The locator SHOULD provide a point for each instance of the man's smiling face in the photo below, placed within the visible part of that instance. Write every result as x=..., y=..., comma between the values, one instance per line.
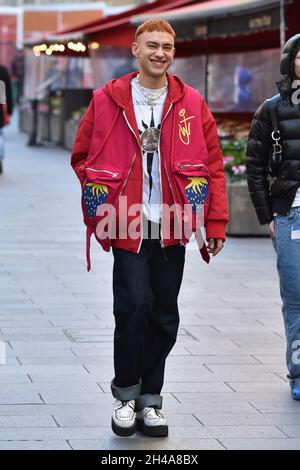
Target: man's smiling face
x=155, y=51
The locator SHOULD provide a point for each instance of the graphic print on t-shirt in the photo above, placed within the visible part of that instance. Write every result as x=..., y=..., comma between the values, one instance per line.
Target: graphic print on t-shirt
x=149, y=140
x=148, y=114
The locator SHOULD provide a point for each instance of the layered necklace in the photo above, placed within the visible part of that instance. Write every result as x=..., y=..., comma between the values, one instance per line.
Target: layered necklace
x=152, y=94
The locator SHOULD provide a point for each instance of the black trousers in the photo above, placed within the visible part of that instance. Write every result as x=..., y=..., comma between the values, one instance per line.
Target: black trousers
x=145, y=287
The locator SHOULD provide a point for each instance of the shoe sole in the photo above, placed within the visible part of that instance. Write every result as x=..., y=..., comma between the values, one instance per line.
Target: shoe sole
x=151, y=431
x=123, y=432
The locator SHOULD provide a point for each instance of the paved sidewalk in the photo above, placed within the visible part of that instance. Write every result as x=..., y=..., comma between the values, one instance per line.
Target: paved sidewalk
x=226, y=382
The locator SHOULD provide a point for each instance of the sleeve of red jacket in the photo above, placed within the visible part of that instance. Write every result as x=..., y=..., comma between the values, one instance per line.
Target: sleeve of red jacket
x=82, y=142
x=216, y=214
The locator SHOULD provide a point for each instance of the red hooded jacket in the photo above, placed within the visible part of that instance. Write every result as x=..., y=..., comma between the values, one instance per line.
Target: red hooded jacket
x=108, y=162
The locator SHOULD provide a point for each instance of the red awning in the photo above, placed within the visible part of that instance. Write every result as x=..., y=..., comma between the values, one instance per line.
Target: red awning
x=228, y=25
x=115, y=30
x=208, y=9
x=120, y=18
x=151, y=8
x=120, y=31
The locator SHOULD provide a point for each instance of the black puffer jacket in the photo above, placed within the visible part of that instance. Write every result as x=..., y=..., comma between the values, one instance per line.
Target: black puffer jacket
x=280, y=196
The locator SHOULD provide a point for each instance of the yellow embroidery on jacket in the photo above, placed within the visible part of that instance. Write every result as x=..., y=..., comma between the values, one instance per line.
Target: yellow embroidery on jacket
x=184, y=127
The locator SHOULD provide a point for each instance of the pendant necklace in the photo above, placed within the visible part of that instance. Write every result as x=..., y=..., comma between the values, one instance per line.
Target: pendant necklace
x=152, y=95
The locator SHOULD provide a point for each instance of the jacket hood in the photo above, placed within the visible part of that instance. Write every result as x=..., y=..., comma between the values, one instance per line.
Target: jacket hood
x=287, y=64
x=119, y=89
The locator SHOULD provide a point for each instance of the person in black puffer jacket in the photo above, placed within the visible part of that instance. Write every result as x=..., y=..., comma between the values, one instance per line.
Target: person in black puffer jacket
x=277, y=201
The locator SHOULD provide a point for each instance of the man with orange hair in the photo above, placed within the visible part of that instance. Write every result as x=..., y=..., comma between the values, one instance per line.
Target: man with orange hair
x=150, y=140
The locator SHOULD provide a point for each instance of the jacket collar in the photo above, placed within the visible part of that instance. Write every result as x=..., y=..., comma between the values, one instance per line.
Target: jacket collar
x=119, y=89
x=285, y=86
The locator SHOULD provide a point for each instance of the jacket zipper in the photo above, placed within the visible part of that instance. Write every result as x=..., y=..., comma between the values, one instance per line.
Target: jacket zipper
x=182, y=166
x=128, y=174
x=114, y=175
x=141, y=216
x=160, y=180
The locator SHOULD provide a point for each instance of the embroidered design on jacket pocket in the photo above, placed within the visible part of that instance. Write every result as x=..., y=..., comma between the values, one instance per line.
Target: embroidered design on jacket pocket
x=196, y=192
x=94, y=195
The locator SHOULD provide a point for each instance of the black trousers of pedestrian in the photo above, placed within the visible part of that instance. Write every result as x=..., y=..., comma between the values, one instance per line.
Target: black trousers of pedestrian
x=145, y=287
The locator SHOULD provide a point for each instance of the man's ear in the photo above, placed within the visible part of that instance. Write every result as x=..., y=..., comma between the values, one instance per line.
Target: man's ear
x=134, y=49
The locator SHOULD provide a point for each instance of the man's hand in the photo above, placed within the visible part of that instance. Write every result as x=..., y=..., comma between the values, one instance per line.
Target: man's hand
x=215, y=245
x=272, y=229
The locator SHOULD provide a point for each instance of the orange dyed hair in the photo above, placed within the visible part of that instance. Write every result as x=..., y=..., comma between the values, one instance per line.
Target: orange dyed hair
x=156, y=24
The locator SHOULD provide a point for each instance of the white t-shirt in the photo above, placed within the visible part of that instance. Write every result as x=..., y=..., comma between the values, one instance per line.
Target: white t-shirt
x=148, y=123
x=296, y=202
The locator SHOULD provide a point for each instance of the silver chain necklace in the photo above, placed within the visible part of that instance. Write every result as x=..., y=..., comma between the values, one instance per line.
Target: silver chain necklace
x=152, y=95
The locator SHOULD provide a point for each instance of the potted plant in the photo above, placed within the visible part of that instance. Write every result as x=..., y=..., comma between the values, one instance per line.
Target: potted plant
x=242, y=216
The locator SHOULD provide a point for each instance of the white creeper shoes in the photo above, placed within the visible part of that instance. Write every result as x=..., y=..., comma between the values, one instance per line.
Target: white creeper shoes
x=123, y=418
x=151, y=422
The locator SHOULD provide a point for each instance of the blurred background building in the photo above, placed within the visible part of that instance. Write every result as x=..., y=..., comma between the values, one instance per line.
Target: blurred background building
x=21, y=19
x=227, y=49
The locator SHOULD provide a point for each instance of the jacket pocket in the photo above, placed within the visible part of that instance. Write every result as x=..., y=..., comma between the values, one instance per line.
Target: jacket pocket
x=191, y=183
x=283, y=220
x=101, y=185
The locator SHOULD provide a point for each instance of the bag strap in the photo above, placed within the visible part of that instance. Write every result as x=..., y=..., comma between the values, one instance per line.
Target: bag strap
x=276, y=156
x=272, y=106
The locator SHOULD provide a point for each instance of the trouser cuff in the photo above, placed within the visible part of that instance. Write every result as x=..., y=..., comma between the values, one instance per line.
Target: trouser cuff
x=148, y=399
x=294, y=381
x=125, y=393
